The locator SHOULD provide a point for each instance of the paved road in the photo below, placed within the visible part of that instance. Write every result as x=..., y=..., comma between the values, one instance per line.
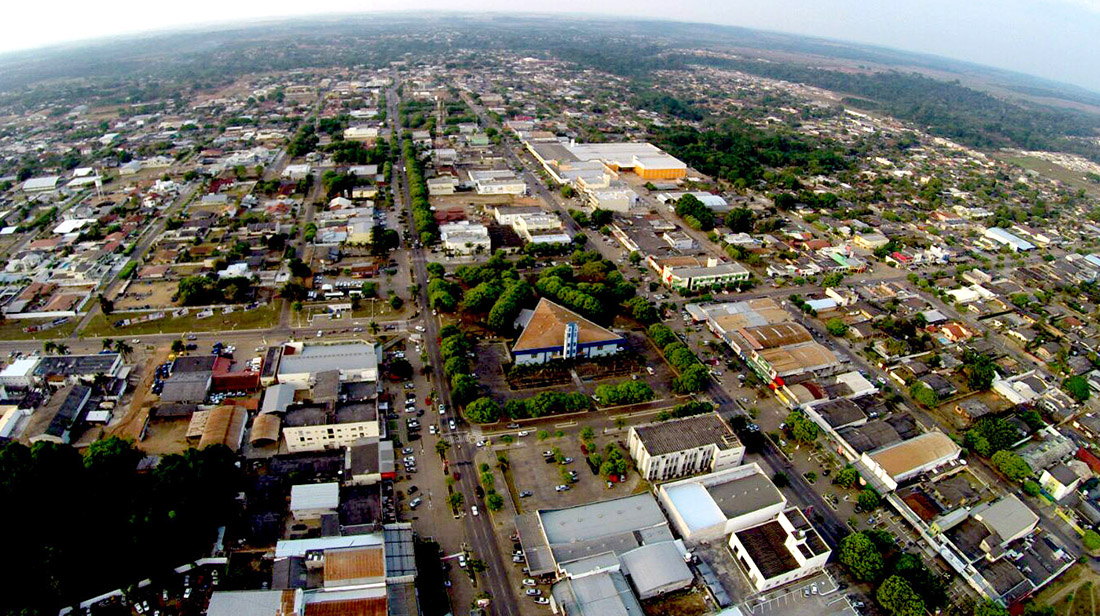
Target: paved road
x=479, y=530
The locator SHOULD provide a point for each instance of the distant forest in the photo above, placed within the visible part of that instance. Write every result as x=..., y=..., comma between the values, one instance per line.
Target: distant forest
x=148, y=68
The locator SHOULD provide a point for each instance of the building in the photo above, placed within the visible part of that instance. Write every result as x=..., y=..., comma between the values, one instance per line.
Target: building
x=645, y=160
x=465, y=237
x=1059, y=480
x=19, y=374
x=779, y=551
x=694, y=273
x=355, y=361
x=896, y=463
x=43, y=184
x=321, y=427
x=295, y=173
x=55, y=369
x=709, y=507
x=999, y=236
x=870, y=241
x=64, y=416
x=311, y=501
x=555, y=332
x=669, y=449
x=605, y=555
x=498, y=182
x=369, y=461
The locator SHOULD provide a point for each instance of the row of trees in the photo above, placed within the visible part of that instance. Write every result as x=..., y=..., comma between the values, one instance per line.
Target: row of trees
x=906, y=587
x=627, y=392
x=693, y=374
x=423, y=218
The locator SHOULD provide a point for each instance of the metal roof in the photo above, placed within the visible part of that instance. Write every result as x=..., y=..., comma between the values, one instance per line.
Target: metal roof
x=687, y=433
x=315, y=496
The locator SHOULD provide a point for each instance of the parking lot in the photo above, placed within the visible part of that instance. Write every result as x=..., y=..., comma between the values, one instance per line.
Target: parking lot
x=530, y=472
x=813, y=596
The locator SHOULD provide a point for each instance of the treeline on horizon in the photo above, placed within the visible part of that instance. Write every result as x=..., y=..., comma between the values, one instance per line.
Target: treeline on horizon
x=942, y=108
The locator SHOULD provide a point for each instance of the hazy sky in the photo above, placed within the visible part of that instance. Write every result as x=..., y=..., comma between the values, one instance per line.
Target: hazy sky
x=1056, y=39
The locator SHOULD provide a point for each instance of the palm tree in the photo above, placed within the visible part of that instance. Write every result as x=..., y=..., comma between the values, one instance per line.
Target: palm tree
x=48, y=347
x=123, y=349
x=61, y=349
x=441, y=447
x=374, y=328
x=108, y=344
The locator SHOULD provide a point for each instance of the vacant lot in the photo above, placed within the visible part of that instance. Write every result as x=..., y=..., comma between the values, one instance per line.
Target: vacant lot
x=147, y=294
x=258, y=318
x=13, y=329
x=689, y=602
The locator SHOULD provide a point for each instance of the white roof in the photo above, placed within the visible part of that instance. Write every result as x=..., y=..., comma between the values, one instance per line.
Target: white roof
x=656, y=567
x=299, y=547
x=695, y=505
x=315, y=496
x=70, y=226
x=245, y=603
x=20, y=367
x=44, y=183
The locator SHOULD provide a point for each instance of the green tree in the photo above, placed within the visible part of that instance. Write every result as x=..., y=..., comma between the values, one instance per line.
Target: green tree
x=456, y=500
x=836, y=327
x=1011, y=465
x=868, y=499
x=1091, y=540
x=1077, y=387
x=847, y=476
x=178, y=346
x=897, y=597
x=923, y=395
x=693, y=379
x=989, y=608
x=862, y=558
x=494, y=501
x=801, y=427
x=464, y=388
x=483, y=410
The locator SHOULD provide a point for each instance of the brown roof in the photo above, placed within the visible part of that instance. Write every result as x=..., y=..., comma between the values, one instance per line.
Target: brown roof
x=265, y=428
x=546, y=329
x=223, y=427
x=354, y=564
x=914, y=453
x=777, y=335
x=374, y=606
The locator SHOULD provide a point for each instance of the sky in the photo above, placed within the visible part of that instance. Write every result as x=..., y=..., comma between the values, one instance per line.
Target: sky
x=1054, y=39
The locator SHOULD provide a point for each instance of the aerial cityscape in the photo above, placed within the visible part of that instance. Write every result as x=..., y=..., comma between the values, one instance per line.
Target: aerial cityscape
x=516, y=315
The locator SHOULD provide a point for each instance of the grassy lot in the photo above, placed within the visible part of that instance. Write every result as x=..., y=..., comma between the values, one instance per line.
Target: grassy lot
x=1056, y=172
x=265, y=316
x=13, y=329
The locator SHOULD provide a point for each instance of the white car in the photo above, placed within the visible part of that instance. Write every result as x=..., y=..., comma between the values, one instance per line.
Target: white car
x=522, y=433
x=473, y=509
x=462, y=560
x=480, y=443
x=529, y=582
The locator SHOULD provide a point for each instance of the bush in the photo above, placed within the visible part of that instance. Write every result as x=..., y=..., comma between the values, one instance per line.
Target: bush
x=1011, y=465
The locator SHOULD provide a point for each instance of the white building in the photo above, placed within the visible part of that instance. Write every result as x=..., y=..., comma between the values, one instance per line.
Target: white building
x=19, y=374
x=354, y=361
x=465, y=237
x=668, y=449
x=311, y=501
x=779, y=551
x=296, y=172
x=709, y=507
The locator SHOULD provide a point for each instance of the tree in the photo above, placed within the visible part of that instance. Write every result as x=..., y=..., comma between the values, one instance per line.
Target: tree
x=1031, y=487
x=868, y=499
x=1078, y=387
x=740, y=220
x=832, y=279
x=836, y=327
x=483, y=410
x=106, y=305
x=1011, y=465
x=693, y=379
x=464, y=388
x=108, y=344
x=801, y=427
x=989, y=608
x=897, y=597
x=178, y=346
x=401, y=369
x=441, y=447
x=847, y=476
x=923, y=395
x=396, y=302
x=780, y=479
x=495, y=502
x=859, y=554
x=123, y=349
x=456, y=500
x=1091, y=540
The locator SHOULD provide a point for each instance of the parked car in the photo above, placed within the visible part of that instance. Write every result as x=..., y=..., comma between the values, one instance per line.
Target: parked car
x=529, y=582
x=525, y=494
x=415, y=503
x=561, y=488
x=542, y=601
x=533, y=592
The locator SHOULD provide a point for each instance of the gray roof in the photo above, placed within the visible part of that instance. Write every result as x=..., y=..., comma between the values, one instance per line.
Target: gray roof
x=840, y=413
x=186, y=387
x=601, y=519
x=277, y=398
x=687, y=433
x=69, y=411
x=400, y=559
x=602, y=594
x=245, y=603
x=1063, y=474
x=745, y=495
x=314, y=359
x=656, y=568
x=76, y=365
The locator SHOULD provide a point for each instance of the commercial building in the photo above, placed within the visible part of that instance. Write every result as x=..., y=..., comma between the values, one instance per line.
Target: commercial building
x=779, y=551
x=55, y=369
x=320, y=427
x=498, y=182
x=605, y=555
x=1000, y=237
x=313, y=500
x=693, y=273
x=709, y=507
x=62, y=419
x=647, y=161
x=465, y=237
x=555, y=332
x=669, y=449
x=898, y=462
x=355, y=361
x=19, y=374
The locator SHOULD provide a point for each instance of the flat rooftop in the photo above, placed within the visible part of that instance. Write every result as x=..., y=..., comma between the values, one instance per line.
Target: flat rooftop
x=687, y=433
x=744, y=495
x=603, y=518
x=765, y=543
